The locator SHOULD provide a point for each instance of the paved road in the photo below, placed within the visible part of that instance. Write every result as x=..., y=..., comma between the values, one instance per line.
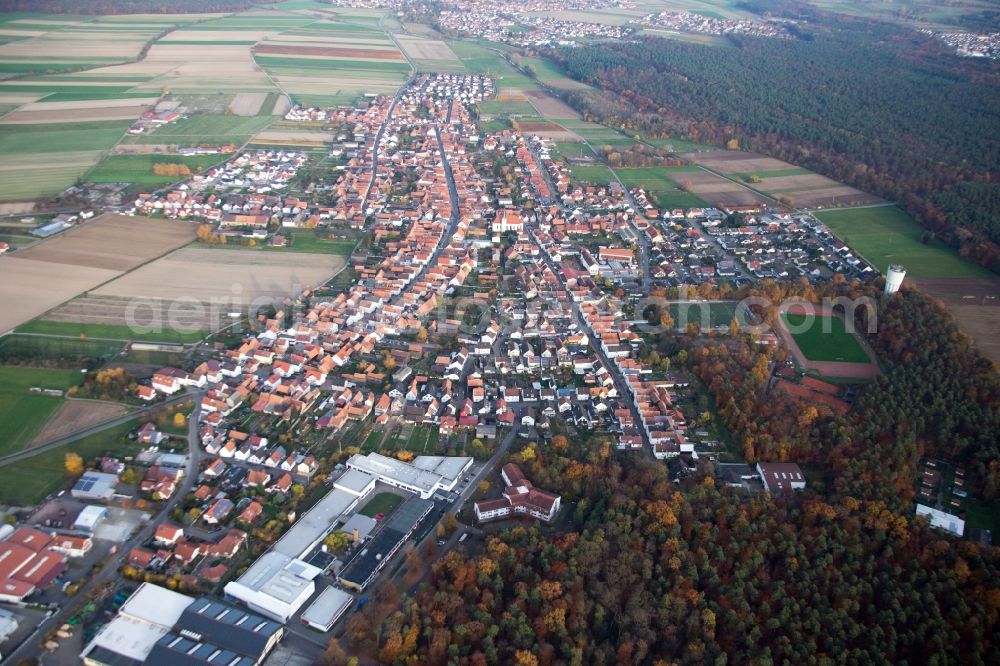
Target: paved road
x=109, y=572
x=624, y=390
x=378, y=139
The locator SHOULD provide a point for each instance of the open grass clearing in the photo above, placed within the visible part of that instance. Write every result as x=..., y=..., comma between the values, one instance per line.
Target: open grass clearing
x=23, y=414
x=886, y=235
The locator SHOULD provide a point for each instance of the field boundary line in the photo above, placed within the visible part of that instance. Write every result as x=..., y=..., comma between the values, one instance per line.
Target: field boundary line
x=59, y=442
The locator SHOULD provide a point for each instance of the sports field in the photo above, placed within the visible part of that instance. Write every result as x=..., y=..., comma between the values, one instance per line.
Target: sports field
x=886, y=235
x=824, y=338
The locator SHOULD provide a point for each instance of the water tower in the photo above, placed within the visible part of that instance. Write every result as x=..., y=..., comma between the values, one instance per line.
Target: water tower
x=893, y=279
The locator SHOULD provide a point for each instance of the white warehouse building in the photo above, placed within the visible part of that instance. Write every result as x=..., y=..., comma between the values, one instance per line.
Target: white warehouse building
x=425, y=476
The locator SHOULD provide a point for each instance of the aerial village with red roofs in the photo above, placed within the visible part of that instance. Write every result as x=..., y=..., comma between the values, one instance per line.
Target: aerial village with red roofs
x=488, y=314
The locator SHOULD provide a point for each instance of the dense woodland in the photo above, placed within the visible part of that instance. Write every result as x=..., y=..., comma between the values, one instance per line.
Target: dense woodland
x=653, y=574
x=937, y=397
x=641, y=570
x=882, y=108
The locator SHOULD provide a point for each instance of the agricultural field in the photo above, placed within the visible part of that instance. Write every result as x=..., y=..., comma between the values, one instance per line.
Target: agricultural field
x=430, y=54
x=59, y=352
x=75, y=415
x=549, y=106
x=549, y=73
x=23, y=414
x=58, y=322
x=48, y=273
x=195, y=287
x=664, y=184
x=205, y=128
x=596, y=174
x=27, y=482
x=486, y=58
x=494, y=107
x=824, y=338
x=798, y=187
x=44, y=159
x=886, y=235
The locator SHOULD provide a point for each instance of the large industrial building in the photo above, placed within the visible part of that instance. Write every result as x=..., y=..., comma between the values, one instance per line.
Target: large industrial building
x=164, y=628
x=329, y=607
x=279, y=583
x=211, y=632
x=146, y=617
x=425, y=476
x=28, y=562
x=362, y=570
x=95, y=486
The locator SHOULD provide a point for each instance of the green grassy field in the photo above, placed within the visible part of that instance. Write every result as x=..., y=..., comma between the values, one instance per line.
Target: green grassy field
x=27, y=482
x=59, y=137
x=817, y=344
x=108, y=331
x=381, y=66
x=384, y=503
x=507, y=107
x=597, y=174
x=663, y=183
x=886, y=235
x=705, y=314
x=207, y=128
x=22, y=413
x=63, y=352
x=139, y=168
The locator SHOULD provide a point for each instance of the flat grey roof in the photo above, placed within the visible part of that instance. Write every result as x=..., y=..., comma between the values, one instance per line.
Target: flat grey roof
x=329, y=604
x=450, y=467
x=355, y=480
x=314, y=524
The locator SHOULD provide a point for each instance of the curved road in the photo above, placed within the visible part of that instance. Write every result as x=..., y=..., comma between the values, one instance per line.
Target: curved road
x=109, y=571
